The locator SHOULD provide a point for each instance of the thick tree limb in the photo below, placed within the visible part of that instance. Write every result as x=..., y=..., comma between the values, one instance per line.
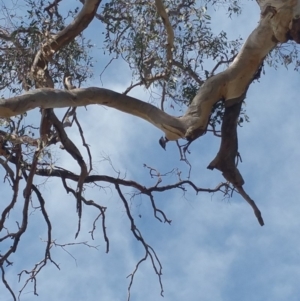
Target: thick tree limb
x=276, y=23
x=56, y=42
x=225, y=161
x=52, y=98
x=274, y=27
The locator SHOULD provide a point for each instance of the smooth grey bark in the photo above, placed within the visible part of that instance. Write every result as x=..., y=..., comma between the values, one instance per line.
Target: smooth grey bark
x=278, y=23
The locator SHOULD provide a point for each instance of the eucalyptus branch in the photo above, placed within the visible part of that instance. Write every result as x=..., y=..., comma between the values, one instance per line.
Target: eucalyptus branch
x=161, y=10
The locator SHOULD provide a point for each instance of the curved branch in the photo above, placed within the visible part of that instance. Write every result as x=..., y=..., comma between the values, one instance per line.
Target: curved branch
x=75, y=153
x=94, y=204
x=27, y=193
x=46, y=98
x=6, y=283
x=65, y=174
x=169, y=29
x=228, y=85
x=56, y=42
x=149, y=251
x=274, y=27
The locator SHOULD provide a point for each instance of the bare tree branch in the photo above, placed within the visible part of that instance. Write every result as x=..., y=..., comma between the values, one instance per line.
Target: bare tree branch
x=148, y=249
x=75, y=153
x=6, y=284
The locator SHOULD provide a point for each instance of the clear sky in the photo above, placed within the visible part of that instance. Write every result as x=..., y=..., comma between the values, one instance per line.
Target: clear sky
x=214, y=250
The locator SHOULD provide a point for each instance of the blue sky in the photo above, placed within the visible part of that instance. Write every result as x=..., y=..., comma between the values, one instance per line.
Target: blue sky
x=214, y=249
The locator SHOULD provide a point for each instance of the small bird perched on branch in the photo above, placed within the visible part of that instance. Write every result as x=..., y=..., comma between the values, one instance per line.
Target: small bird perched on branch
x=163, y=141
x=68, y=83
x=68, y=86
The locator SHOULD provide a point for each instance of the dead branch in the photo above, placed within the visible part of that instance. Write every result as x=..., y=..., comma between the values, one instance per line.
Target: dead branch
x=84, y=142
x=94, y=204
x=148, y=249
x=26, y=193
x=6, y=283
x=64, y=174
x=71, y=148
x=225, y=161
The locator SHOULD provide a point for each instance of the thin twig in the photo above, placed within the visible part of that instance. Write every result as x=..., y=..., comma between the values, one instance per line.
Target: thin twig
x=156, y=264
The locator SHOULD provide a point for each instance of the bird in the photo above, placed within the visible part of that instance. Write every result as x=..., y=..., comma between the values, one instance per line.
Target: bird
x=163, y=141
x=68, y=83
